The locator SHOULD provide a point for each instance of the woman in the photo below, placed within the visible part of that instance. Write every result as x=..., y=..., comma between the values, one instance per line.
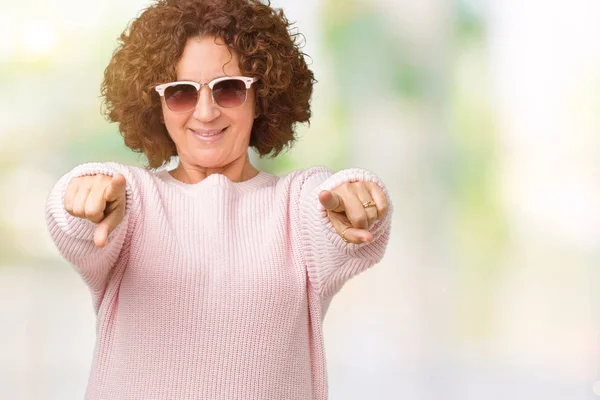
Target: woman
x=211, y=280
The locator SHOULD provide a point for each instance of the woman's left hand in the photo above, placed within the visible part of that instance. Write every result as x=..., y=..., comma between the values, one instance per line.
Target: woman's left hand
x=353, y=207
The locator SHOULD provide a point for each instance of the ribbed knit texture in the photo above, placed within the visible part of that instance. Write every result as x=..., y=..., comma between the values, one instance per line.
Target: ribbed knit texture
x=215, y=290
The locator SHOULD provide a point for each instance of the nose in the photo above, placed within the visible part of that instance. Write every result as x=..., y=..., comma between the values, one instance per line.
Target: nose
x=206, y=110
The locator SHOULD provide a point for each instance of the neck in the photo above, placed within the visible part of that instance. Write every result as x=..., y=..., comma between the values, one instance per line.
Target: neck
x=238, y=171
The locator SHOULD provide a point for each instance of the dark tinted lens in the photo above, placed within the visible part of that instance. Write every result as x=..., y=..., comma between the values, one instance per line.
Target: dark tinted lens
x=182, y=97
x=230, y=93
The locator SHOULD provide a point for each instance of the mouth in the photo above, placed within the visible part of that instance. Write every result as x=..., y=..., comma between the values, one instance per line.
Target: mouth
x=208, y=135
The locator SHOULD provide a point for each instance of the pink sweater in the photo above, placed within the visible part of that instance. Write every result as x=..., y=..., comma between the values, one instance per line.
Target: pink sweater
x=215, y=290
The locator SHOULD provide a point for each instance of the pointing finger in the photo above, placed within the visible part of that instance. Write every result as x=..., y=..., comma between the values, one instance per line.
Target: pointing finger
x=109, y=224
x=101, y=235
x=348, y=233
x=356, y=235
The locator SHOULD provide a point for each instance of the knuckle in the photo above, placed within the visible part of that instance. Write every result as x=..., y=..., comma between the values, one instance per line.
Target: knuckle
x=77, y=211
x=343, y=188
x=358, y=186
x=359, y=220
x=94, y=217
x=383, y=210
x=93, y=214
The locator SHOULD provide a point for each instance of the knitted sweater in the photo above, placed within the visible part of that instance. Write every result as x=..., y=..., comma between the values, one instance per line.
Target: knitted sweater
x=215, y=290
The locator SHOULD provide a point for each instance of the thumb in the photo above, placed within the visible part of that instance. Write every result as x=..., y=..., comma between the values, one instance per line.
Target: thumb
x=115, y=189
x=331, y=201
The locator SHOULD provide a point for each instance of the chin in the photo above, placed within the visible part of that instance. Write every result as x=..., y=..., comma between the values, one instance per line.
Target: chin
x=204, y=163
x=211, y=162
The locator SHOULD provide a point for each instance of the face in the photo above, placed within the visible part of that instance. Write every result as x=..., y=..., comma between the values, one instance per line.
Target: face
x=210, y=136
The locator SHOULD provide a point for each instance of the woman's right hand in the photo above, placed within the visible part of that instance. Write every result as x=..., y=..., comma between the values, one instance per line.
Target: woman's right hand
x=100, y=199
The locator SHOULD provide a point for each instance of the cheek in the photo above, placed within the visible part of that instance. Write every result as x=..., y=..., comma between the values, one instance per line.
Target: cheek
x=174, y=122
x=245, y=122
x=249, y=114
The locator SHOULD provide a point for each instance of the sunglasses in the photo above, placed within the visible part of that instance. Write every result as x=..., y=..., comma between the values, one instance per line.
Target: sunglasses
x=227, y=92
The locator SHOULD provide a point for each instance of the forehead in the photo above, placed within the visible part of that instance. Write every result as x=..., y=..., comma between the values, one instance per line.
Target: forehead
x=204, y=59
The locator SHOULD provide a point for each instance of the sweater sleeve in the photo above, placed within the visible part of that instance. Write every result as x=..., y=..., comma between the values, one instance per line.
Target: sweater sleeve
x=330, y=261
x=74, y=236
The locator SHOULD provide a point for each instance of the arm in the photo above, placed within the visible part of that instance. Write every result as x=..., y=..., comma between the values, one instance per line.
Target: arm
x=74, y=236
x=330, y=260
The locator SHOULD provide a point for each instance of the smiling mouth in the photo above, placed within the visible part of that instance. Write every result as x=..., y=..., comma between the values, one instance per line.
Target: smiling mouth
x=208, y=133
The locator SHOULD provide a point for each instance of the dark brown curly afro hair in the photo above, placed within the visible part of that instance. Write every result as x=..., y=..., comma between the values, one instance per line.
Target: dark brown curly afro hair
x=153, y=43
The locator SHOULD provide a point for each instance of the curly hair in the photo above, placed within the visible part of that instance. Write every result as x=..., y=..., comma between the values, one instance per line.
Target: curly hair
x=150, y=47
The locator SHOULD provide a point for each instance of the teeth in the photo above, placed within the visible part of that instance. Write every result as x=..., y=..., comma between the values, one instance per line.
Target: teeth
x=208, y=134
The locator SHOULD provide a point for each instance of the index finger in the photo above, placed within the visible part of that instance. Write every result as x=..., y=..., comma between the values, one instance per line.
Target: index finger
x=115, y=188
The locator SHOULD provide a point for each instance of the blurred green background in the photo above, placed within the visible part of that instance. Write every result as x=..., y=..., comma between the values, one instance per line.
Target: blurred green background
x=481, y=117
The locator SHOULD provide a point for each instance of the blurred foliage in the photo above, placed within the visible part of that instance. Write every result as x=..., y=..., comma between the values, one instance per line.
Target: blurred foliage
x=479, y=224
x=469, y=24
x=367, y=52
x=102, y=143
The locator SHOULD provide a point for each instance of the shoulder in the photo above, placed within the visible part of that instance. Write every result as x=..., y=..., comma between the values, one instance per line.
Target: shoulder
x=298, y=178
x=327, y=179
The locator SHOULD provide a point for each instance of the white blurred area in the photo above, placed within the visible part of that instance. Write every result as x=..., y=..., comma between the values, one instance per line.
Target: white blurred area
x=452, y=312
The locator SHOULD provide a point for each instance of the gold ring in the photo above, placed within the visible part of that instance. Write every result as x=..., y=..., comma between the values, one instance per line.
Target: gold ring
x=344, y=234
x=369, y=203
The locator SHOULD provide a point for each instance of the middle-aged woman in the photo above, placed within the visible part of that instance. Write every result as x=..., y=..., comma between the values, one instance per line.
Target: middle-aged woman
x=211, y=280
